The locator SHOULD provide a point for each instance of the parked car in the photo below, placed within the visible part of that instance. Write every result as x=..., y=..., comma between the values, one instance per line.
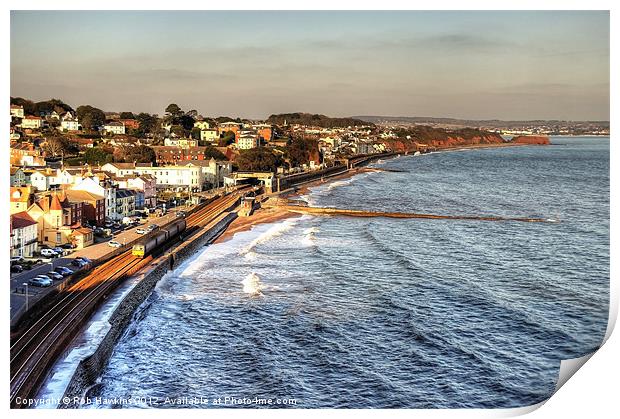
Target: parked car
x=113, y=243
x=85, y=259
x=54, y=275
x=64, y=271
x=68, y=246
x=48, y=253
x=152, y=227
x=140, y=231
x=40, y=282
x=16, y=268
x=78, y=262
x=17, y=259
x=59, y=250
x=180, y=213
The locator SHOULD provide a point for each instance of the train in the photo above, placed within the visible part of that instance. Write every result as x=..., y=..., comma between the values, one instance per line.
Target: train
x=159, y=236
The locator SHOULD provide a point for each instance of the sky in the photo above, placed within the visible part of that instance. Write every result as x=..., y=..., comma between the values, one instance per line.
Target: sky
x=507, y=65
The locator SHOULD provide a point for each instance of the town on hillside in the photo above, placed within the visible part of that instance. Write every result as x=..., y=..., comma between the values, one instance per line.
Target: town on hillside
x=80, y=176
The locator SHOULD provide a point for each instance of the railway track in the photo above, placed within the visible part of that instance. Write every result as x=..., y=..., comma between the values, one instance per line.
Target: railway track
x=36, y=349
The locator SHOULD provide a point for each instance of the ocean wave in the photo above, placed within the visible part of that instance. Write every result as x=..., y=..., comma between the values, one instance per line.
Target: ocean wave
x=274, y=231
x=252, y=284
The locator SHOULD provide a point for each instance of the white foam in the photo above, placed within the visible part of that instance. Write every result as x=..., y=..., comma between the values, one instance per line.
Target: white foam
x=252, y=284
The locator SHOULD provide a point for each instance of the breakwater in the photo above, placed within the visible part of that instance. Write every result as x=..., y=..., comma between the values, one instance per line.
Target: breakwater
x=361, y=213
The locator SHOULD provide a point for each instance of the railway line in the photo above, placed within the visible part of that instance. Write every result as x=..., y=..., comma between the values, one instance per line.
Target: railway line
x=34, y=350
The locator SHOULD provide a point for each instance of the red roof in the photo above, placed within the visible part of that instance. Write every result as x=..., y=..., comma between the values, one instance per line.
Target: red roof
x=21, y=220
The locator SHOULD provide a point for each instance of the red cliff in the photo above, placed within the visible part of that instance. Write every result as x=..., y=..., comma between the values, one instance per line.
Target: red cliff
x=531, y=139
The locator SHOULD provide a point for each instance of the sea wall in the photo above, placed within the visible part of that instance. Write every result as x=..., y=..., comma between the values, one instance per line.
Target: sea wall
x=92, y=365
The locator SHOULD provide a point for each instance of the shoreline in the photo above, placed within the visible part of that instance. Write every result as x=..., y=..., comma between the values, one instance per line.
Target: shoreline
x=268, y=215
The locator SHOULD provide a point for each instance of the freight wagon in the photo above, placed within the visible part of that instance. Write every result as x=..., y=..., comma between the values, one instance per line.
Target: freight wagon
x=158, y=237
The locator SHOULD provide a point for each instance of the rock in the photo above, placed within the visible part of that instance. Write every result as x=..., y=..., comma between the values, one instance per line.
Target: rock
x=531, y=139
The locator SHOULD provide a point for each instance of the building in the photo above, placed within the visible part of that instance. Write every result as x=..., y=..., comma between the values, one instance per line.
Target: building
x=203, y=125
x=180, y=142
x=120, y=169
x=235, y=127
x=100, y=185
x=247, y=142
x=25, y=154
x=116, y=128
x=23, y=235
x=93, y=209
x=44, y=179
x=18, y=176
x=125, y=202
x=59, y=221
x=130, y=123
x=33, y=122
x=17, y=111
x=175, y=178
x=210, y=135
x=144, y=185
x=69, y=123
x=264, y=131
x=213, y=171
x=21, y=199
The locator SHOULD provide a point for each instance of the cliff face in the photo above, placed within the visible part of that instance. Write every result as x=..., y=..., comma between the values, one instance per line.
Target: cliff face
x=531, y=139
x=443, y=140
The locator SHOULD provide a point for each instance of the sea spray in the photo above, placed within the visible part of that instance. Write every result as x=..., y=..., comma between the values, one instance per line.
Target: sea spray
x=252, y=284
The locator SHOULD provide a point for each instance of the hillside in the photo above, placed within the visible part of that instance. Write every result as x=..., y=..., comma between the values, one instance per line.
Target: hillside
x=315, y=120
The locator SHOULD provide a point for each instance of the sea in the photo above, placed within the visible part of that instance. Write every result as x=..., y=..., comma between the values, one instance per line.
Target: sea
x=337, y=312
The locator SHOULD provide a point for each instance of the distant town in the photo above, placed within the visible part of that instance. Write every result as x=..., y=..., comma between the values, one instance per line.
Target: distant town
x=79, y=175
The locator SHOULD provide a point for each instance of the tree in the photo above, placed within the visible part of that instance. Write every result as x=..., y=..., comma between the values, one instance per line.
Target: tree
x=56, y=146
x=139, y=154
x=227, y=139
x=97, y=156
x=195, y=133
x=186, y=121
x=147, y=122
x=300, y=150
x=257, y=159
x=174, y=110
x=127, y=115
x=91, y=118
x=211, y=151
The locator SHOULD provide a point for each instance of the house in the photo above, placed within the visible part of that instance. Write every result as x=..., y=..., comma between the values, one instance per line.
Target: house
x=23, y=235
x=33, y=122
x=213, y=171
x=93, y=210
x=247, y=142
x=169, y=154
x=18, y=176
x=116, y=128
x=17, y=111
x=235, y=127
x=25, y=154
x=175, y=178
x=44, y=179
x=69, y=123
x=21, y=199
x=180, y=142
x=202, y=125
x=57, y=220
x=98, y=184
x=144, y=185
x=125, y=202
x=265, y=131
x=130, y=123
x=120, y=169
x=210, y=135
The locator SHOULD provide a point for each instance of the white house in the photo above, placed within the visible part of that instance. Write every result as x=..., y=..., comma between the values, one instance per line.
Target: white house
x=104, y=188
x=247, y=142
x=175, y=178
x=23, y=235
x=43, y=179
x=17, y=111
x=117, y=128
x=202, y=125
x=33, y=122
x=213, y=171
x=69, y=123
x=209, y=135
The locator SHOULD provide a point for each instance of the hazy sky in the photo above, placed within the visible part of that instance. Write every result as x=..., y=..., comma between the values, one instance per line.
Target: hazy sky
x=507, y=65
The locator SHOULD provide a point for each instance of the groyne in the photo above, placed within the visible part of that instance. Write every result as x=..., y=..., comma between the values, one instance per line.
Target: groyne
x=361, y=213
